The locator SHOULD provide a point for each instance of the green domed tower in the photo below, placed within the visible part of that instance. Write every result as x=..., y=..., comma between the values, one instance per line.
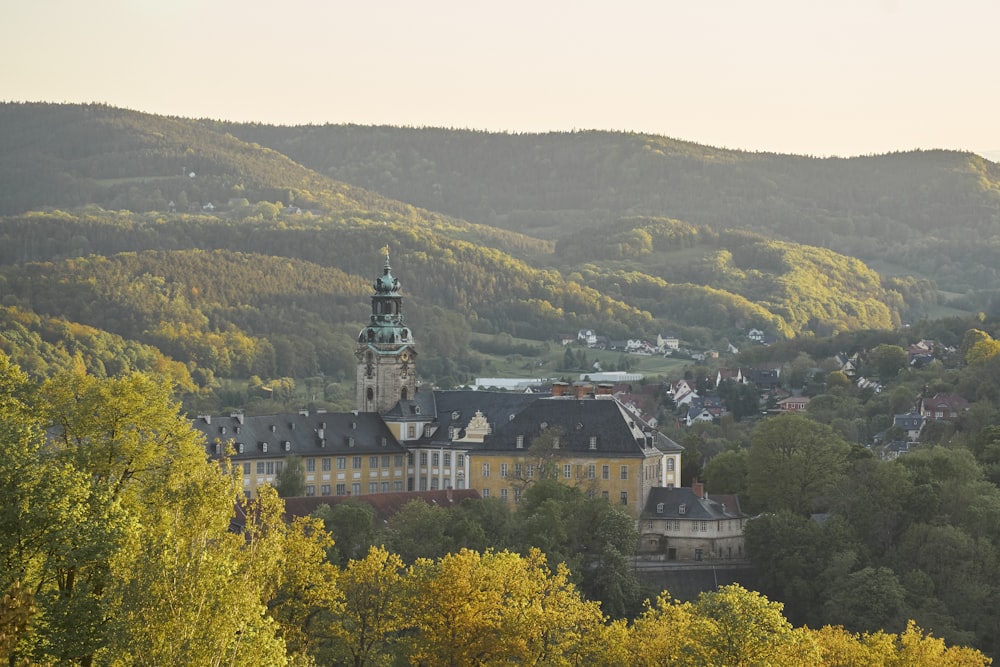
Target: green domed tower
x=386, y=356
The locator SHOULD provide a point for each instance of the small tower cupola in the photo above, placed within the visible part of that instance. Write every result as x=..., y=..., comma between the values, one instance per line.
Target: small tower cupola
x=385, y=352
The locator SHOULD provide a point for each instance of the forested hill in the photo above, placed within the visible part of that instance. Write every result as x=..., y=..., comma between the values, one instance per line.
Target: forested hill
x=936, y=213
x=178, y=240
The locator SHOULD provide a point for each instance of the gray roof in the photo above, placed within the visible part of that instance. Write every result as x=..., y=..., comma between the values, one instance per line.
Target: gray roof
x=299, y=433
x=711, y=508
x=616, y=429
x=419, y=408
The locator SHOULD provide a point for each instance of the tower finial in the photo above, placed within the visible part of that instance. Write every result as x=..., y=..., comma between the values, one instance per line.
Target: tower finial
x=385, y=251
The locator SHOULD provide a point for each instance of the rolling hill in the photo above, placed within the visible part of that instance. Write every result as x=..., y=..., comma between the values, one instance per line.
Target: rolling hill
x=241, y=250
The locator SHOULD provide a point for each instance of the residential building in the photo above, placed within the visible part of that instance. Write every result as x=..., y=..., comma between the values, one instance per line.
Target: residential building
x=943, y=406
x=687, y=524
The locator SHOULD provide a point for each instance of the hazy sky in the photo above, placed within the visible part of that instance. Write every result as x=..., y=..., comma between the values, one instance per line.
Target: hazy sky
x=834, y=77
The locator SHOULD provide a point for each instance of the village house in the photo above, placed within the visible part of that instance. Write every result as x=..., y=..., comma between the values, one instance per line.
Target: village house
x=686, y=524
x=943, y=406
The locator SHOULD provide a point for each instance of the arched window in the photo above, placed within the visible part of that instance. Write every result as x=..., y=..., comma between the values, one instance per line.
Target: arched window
x=403, y=394
x=370, y=394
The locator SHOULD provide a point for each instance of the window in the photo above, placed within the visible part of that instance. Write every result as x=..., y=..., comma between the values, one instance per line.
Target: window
x=260, y=467
x=624, y=472
x=246, y=468
x=397, y=486
x=593, y=442
x=649, y=524
x=269, y=468
x=517, y=495
x=485, y=493
x=486, y=470
x=385, y=487
x=555, y=442
x=372, y=462
x=624, y=497
x=356, y=489
x=341, y=462
x=520, y=442
x=278, y=466
x=530, y=469
x=670, y=465
x=434, y=484
x=703, y=526
x=341, y=489
x=605, y=495
x=435, y=459
x=517, y=471
x=503, y=470
x=326, y=464
x=460, y=460
x=372, y=487
x=567, y=470
x=398, y=460
x=356, y=462
x=310, y=465
x=423, y=458
x=503, y=494
x=659, y=508
x=411, y=431
x=447, y=459
x=325, y=490
x=605, y=472
x=310, y=490
x=591, y=471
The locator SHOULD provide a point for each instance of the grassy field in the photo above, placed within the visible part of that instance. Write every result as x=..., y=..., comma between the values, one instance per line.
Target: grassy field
x=550, y=362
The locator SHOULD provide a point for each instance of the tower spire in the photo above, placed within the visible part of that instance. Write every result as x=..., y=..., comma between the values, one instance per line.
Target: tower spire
x=386, y=355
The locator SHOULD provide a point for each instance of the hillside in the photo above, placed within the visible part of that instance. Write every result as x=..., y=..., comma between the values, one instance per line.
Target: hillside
x=935, y=212
x=236, y=259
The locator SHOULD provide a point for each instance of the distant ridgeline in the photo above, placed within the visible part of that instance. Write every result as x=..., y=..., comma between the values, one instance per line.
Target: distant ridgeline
x=232, y=249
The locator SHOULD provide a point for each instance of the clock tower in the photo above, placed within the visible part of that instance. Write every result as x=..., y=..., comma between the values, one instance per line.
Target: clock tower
x=386, y=370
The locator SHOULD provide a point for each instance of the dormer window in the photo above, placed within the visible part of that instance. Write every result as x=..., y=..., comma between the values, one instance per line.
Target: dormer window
x=593, y=442
x=239, y=448
x=555, y=442
x=659, y=508
x=682, y=509
x=263, y=447
x=520, y=442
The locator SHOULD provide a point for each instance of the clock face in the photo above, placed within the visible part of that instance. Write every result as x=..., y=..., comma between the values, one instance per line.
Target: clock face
x=404, y=356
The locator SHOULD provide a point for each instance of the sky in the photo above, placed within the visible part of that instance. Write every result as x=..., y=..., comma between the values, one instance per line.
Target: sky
x=809, y=77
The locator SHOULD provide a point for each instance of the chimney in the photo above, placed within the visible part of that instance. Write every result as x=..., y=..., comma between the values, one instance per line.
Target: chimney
x=559, y=388
x=605, y=389
x=583, y=389
x=698, y=489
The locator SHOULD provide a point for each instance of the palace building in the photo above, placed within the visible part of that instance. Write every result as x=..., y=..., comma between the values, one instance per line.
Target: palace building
x=400, y=438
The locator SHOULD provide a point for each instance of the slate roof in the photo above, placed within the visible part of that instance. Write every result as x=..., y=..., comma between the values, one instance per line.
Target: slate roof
x=419, y=408
x=456, y=407
x=384, y=504
x=712, y=508
x=301, y=433
x=618, y=432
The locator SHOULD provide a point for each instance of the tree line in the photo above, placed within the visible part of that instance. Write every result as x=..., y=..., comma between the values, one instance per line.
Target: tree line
x=119, y=546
